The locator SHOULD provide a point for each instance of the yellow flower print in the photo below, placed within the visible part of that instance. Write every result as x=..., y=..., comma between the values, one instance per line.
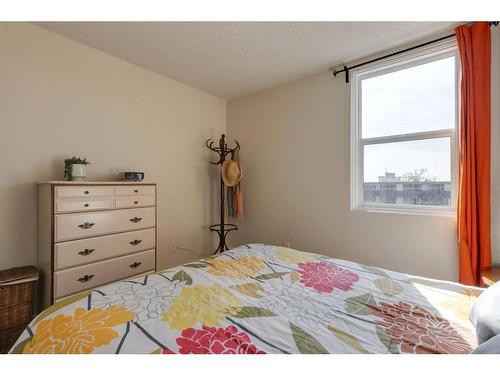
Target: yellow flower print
x=239, y=268
x=294, y=256
x=79, y=333
x=205, y=304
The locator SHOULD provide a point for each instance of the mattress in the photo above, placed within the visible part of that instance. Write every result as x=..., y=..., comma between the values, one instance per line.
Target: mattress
x=258, y=299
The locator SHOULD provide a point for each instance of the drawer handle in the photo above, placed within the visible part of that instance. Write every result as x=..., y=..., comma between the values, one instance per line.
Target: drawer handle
x=135, y=264
x=136, y=219
x=86, y=252
x=86, y=205
x=135, y=242
x=136, y=202
x=86, y=225
x=86, y=192
x=136, y=191
x=85, y=278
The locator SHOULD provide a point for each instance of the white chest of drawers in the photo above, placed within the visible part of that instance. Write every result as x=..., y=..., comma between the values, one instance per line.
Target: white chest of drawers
x=94, y=233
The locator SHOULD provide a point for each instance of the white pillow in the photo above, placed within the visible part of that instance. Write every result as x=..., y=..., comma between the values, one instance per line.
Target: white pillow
x=485, y=313
x=492, y=346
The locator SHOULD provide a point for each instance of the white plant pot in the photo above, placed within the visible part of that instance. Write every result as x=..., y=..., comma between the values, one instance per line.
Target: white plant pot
x=78, y=172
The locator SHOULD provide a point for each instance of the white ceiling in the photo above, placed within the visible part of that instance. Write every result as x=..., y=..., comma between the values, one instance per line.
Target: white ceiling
x=230, y=59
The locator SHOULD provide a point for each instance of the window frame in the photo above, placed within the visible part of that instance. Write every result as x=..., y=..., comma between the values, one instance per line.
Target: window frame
x=437, y=51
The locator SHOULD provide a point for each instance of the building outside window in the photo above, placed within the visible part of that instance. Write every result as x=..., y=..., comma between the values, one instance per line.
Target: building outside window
x=403, y=132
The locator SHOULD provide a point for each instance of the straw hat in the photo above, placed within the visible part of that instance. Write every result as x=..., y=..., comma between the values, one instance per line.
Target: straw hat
x=230, y=172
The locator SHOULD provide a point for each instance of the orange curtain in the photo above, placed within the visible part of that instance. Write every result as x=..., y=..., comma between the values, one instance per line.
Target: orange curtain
x=474, y=244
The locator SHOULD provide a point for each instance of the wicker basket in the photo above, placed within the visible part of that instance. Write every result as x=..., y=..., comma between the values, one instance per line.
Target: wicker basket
x=17, y=303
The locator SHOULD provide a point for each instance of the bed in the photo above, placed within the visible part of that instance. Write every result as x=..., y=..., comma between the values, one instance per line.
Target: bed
x=259, y=299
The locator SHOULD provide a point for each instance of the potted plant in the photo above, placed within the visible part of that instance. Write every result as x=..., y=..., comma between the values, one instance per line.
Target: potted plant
x=75, y=169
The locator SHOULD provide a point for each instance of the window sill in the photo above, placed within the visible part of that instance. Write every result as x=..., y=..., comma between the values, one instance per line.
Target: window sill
x=407, y=210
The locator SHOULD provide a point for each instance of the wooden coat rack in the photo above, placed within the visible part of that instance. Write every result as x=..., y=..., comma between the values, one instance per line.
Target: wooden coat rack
x=222, y=228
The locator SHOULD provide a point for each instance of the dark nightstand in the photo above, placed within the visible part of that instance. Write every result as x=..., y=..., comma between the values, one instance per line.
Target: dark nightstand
x=490, y=275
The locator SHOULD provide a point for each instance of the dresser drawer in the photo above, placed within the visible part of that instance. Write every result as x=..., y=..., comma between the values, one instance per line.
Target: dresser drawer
x=135, y=190
x=78, y=252
x=138, y=201
x=66, y=205
x=83, y=191
x=81, y=225
x=76, y=279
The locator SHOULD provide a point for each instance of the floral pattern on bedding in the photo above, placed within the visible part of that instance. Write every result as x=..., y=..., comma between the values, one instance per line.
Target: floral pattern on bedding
x=412, y=329
x=259, y=299
x=215, y=340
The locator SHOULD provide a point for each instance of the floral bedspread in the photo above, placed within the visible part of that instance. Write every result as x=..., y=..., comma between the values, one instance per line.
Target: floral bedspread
x=259, y=299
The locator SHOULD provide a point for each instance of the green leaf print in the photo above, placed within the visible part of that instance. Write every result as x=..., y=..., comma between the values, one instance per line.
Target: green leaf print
x=253, y=312
x=306, y=343
x=360, y=305
x=182, y=276
x=386, y=340
x=389, y=287
x=251, y=289
x=196, y=265
x=294, y=276
x=347, y=338
x=374, y=270
x=20, y=347
x=273, y=275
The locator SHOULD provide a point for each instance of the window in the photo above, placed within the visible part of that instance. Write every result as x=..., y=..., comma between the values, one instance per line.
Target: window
x=403, y=132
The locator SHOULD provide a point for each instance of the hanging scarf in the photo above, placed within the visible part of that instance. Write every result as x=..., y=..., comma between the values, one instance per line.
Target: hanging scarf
x=229, y=199
x=235, y=195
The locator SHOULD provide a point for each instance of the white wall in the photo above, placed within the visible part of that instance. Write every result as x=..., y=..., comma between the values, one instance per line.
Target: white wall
x=59, y=98
x=295, y=153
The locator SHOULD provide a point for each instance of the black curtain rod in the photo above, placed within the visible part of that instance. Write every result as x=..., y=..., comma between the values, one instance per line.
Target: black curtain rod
x=346, y=68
